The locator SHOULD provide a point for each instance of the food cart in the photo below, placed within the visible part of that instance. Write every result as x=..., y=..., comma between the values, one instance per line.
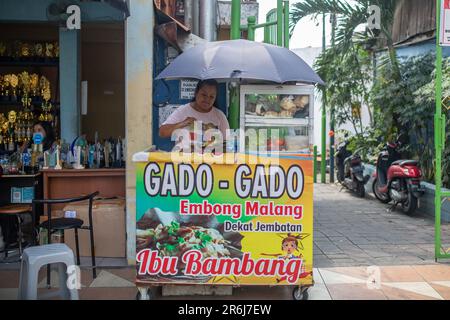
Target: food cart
x=238, y=218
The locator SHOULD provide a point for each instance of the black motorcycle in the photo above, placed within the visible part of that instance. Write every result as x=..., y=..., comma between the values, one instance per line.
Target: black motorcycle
x=350, y=170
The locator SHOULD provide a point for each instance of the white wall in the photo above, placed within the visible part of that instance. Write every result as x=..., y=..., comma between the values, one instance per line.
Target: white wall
x=309, y=55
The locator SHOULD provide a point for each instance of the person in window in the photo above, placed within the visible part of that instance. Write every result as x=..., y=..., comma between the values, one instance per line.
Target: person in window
x=202, y=109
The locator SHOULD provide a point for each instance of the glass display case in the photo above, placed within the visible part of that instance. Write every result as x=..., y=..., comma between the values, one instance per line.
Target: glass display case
x=277, y=118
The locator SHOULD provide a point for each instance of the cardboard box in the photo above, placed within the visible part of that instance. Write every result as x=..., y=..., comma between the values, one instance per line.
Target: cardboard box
x=109, y=228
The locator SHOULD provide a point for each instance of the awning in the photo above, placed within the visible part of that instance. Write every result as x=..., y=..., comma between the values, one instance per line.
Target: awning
x=172, y=30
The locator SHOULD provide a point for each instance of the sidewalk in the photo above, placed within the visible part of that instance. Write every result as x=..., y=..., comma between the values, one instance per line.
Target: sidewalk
x=428, y=282
x=350, y=231
x=350, y=234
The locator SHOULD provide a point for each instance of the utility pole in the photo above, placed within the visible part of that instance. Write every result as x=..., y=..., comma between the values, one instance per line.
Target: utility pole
x=323, y=156
x=332, y=115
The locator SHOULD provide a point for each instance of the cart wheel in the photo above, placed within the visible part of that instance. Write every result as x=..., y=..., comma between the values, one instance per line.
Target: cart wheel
x=144, y=294
x=300, y=294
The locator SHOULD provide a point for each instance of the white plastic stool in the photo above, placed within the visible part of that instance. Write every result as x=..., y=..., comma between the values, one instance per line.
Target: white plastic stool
x=34, y=258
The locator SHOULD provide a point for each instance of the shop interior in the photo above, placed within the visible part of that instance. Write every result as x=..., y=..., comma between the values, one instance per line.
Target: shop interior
x=32, y=77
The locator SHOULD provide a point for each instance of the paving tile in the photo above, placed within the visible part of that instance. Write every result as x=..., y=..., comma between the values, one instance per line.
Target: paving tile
x=354, y=272
x=331, y=277
x=113, y=262
x=108, y=294
x=319, y=292
x=434, y=272
x=125, y=273
x=421, y=288
x=108, y=280
x=354, y=292
x=444, y=291
x=399, y=294
x=399, y=274
x=8, y=293
x=9, y=279
x=317, y=277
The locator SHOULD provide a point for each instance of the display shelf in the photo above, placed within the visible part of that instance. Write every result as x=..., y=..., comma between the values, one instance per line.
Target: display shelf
x=273, y=122
x=29, y=63
x=19, y=103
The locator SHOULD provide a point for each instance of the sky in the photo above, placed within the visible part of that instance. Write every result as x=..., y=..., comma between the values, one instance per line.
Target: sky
x=307, y=33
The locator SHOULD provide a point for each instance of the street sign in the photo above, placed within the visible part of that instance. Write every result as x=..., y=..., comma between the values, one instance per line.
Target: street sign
x=445, y=23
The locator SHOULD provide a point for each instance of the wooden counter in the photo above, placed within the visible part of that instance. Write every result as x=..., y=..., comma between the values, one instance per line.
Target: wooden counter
x=70, y=183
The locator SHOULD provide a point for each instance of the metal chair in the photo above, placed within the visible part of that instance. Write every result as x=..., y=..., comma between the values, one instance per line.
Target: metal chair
x=60, y=224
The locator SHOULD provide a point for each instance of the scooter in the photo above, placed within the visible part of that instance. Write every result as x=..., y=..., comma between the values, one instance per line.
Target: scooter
x=350, y=170
x=397, y=180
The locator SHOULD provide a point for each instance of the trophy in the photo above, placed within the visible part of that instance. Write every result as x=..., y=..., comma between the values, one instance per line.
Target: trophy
x=25, y=84
x=47, y=107
x=49, y=50
x=91, y=156
x=39, y=50
x=56, y=51
x=11, y=145
x=25, y=50
x=77, y=157
x=46, y=160
x=6, y=84
x=107, y=151
x=14, y=82
x=12, y=117
x=34, y=84
x=58, y=164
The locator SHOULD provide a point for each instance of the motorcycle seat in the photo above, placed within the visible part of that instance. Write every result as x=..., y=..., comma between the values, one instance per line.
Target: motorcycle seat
x=406, y=163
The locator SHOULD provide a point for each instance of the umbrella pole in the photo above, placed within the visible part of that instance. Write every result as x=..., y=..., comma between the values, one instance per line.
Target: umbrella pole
x=233, y=115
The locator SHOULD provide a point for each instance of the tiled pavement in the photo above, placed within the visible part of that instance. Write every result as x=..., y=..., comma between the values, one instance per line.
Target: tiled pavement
x=349, y=231
x=427, y=282
x=350, y=234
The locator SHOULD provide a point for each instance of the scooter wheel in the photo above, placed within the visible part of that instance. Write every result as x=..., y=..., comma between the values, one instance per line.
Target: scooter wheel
x=410, y=205
x=384, y=198
x=360, y=190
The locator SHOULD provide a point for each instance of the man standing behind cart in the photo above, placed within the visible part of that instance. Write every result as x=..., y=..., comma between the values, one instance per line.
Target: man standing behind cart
x=202, y=109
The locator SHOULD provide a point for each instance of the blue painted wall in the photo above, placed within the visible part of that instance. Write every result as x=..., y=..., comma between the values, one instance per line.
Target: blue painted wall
x=70, y=71
x=420, y=49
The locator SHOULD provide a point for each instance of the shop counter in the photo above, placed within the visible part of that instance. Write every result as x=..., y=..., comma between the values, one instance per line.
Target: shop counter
x=69, y=183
